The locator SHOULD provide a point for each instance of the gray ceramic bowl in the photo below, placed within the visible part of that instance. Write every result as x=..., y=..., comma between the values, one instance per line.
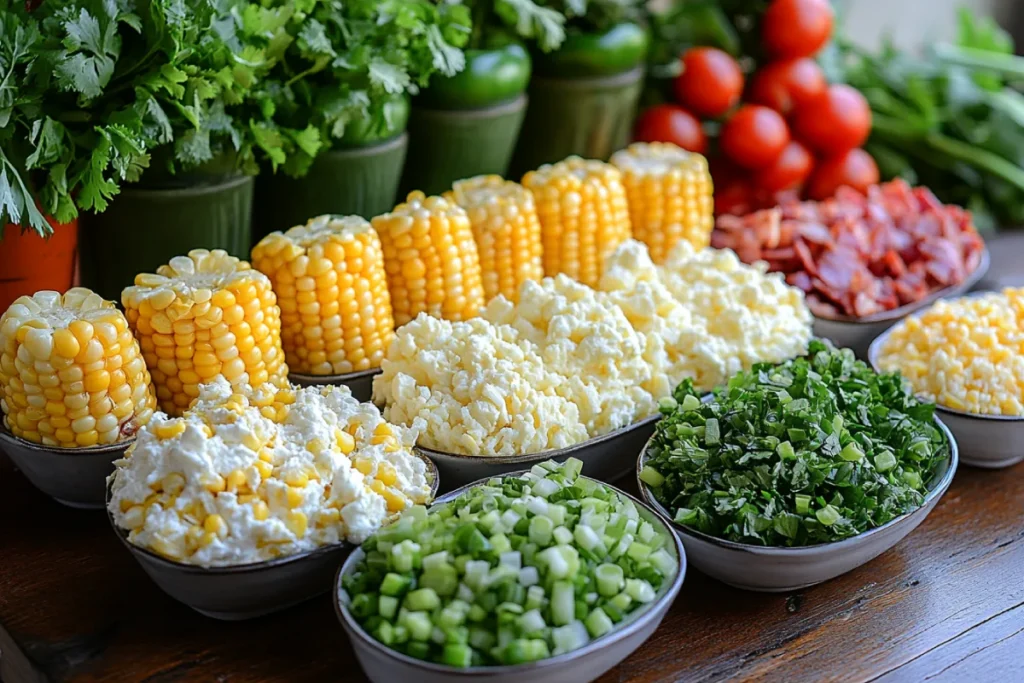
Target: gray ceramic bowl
x=781, y=570
x=607, y=457
x=989, y=441
x=361, y=383
x=384, y=665
x=250, y=590
x=858, y=333
x=75, y=477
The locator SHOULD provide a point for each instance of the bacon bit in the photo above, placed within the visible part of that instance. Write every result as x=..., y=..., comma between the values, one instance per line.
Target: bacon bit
x=859, y=254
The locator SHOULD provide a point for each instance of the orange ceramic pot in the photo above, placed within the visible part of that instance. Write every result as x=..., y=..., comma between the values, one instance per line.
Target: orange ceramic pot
x=29, y=263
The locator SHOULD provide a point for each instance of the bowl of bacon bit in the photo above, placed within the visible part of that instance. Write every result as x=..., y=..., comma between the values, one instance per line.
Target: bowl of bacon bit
x=863, y=261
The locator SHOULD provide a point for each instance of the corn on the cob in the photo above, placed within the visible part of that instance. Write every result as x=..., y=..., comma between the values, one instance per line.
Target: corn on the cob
x=583, y=216
x=203, y=316
x=506, y=230
x=71, y=373
x=430, y=259
x=330, y=284
x=670, y=196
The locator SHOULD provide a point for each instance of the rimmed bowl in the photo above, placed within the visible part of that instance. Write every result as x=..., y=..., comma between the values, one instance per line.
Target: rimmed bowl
x=785, y=569
x=607, y=457
x=988, y=441
x=246, y=591
x=858, y=333
x=360, y=383
x=75, y=477
x=384, y=665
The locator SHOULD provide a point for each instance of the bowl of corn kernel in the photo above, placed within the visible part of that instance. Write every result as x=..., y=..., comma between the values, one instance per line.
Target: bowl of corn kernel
x=966, y=355
x=247, y=503
x=74, y=389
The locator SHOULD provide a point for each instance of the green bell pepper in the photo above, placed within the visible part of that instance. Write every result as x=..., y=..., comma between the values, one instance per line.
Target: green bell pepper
x=493, y=74
x=619, y=49
x=364, y=132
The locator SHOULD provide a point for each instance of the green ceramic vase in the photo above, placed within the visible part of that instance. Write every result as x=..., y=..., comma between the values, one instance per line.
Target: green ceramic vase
x=449, y=145
x=361, y=181
x=144, y=227
x=588, y=117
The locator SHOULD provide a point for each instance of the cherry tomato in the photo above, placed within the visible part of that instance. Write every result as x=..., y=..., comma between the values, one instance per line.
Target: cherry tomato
x=736, y=196
x=787, y=84
x=711, y=82
x=671, y=123
x=796, y=28
x=836, y=121
x=854, y=168
x=755, y=136
x=790, y=170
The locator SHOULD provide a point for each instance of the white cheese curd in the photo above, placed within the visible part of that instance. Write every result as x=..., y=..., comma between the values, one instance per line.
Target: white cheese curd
x=568, y=362
x=245, y=476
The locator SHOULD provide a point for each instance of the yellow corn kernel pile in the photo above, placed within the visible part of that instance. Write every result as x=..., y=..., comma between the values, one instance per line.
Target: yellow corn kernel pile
x=71, y=373
x=670, y=196
x=203, y=316
x=431, y=259
x=583, y=216
x=966, y=354
x=330, y=284
x=506, y=230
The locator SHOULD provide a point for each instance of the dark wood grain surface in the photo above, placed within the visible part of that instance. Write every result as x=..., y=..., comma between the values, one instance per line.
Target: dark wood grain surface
x=945, y=605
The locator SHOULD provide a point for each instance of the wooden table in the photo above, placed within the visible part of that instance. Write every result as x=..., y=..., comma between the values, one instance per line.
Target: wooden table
x=947, y=604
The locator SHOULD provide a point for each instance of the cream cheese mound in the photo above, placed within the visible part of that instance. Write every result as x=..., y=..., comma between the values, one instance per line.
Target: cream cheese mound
x=250, y=475
x=568, y=362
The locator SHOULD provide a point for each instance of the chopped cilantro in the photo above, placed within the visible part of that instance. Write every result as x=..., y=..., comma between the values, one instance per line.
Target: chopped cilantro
x=812, y=450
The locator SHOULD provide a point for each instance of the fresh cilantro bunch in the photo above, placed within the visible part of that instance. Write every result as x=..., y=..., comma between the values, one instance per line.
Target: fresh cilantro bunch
x=812, y=450
x=90, y=88
x=345, y=62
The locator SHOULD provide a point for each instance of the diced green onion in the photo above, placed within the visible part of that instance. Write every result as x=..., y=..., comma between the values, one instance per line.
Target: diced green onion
x=711, y=433
x=690, y=402
x=395, y=585
x=529, y=576
x=803, y=503
x=640, y=590
x=562, y=535
x=827, y=515
x=651, y=477
x=785, y=450
x=610, y=579
x=387, y=606
x=531, y=621
x=541, y=529
x=851, y=453
x=598, y=623
x=885, y=461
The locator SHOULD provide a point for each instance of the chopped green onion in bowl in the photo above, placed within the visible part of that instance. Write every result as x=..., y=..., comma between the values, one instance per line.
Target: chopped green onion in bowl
x=813, y=450
x=520, y=569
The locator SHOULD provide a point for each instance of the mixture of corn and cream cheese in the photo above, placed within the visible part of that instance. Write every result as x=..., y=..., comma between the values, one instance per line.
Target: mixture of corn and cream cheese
x=249, y=475
x=706, y=315
x=966, y=354
x=567, y=363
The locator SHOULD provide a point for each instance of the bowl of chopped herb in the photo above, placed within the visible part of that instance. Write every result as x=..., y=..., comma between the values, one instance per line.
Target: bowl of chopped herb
x=797, y=472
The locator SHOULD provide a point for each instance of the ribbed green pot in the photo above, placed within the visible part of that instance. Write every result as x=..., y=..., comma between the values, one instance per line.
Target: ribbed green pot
x=146, y=227
x=445, y=146
x=361, y=181
x=588, y=117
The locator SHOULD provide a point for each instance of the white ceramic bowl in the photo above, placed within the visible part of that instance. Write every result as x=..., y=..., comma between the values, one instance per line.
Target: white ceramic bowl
x=384, y=665
x=360, y=383
x=250, y=590
x=858, y=333
x=607, y=457
x=989, y=441
x=75, y=477
x=781, y=570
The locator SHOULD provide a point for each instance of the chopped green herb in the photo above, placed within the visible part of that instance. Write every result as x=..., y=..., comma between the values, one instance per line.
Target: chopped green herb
x=845, y=450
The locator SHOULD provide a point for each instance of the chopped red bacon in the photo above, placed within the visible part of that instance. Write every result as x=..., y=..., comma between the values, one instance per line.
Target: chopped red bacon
x=858, y=254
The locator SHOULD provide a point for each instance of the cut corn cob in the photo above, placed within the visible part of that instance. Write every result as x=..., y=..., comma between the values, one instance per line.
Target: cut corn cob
x=670, y=196
x=71, y=373
x=506, y=230
x=203, y=316
x=330, y=284
x=430, y=259
x=583, y=216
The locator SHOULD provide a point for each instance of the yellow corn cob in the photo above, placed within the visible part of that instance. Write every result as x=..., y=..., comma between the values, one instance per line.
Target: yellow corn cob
x=430, y=259
x=330, y=284
x=71, y=373
x=583, y=215
x=205, y=315
x=506, y=230
x=670, y=196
